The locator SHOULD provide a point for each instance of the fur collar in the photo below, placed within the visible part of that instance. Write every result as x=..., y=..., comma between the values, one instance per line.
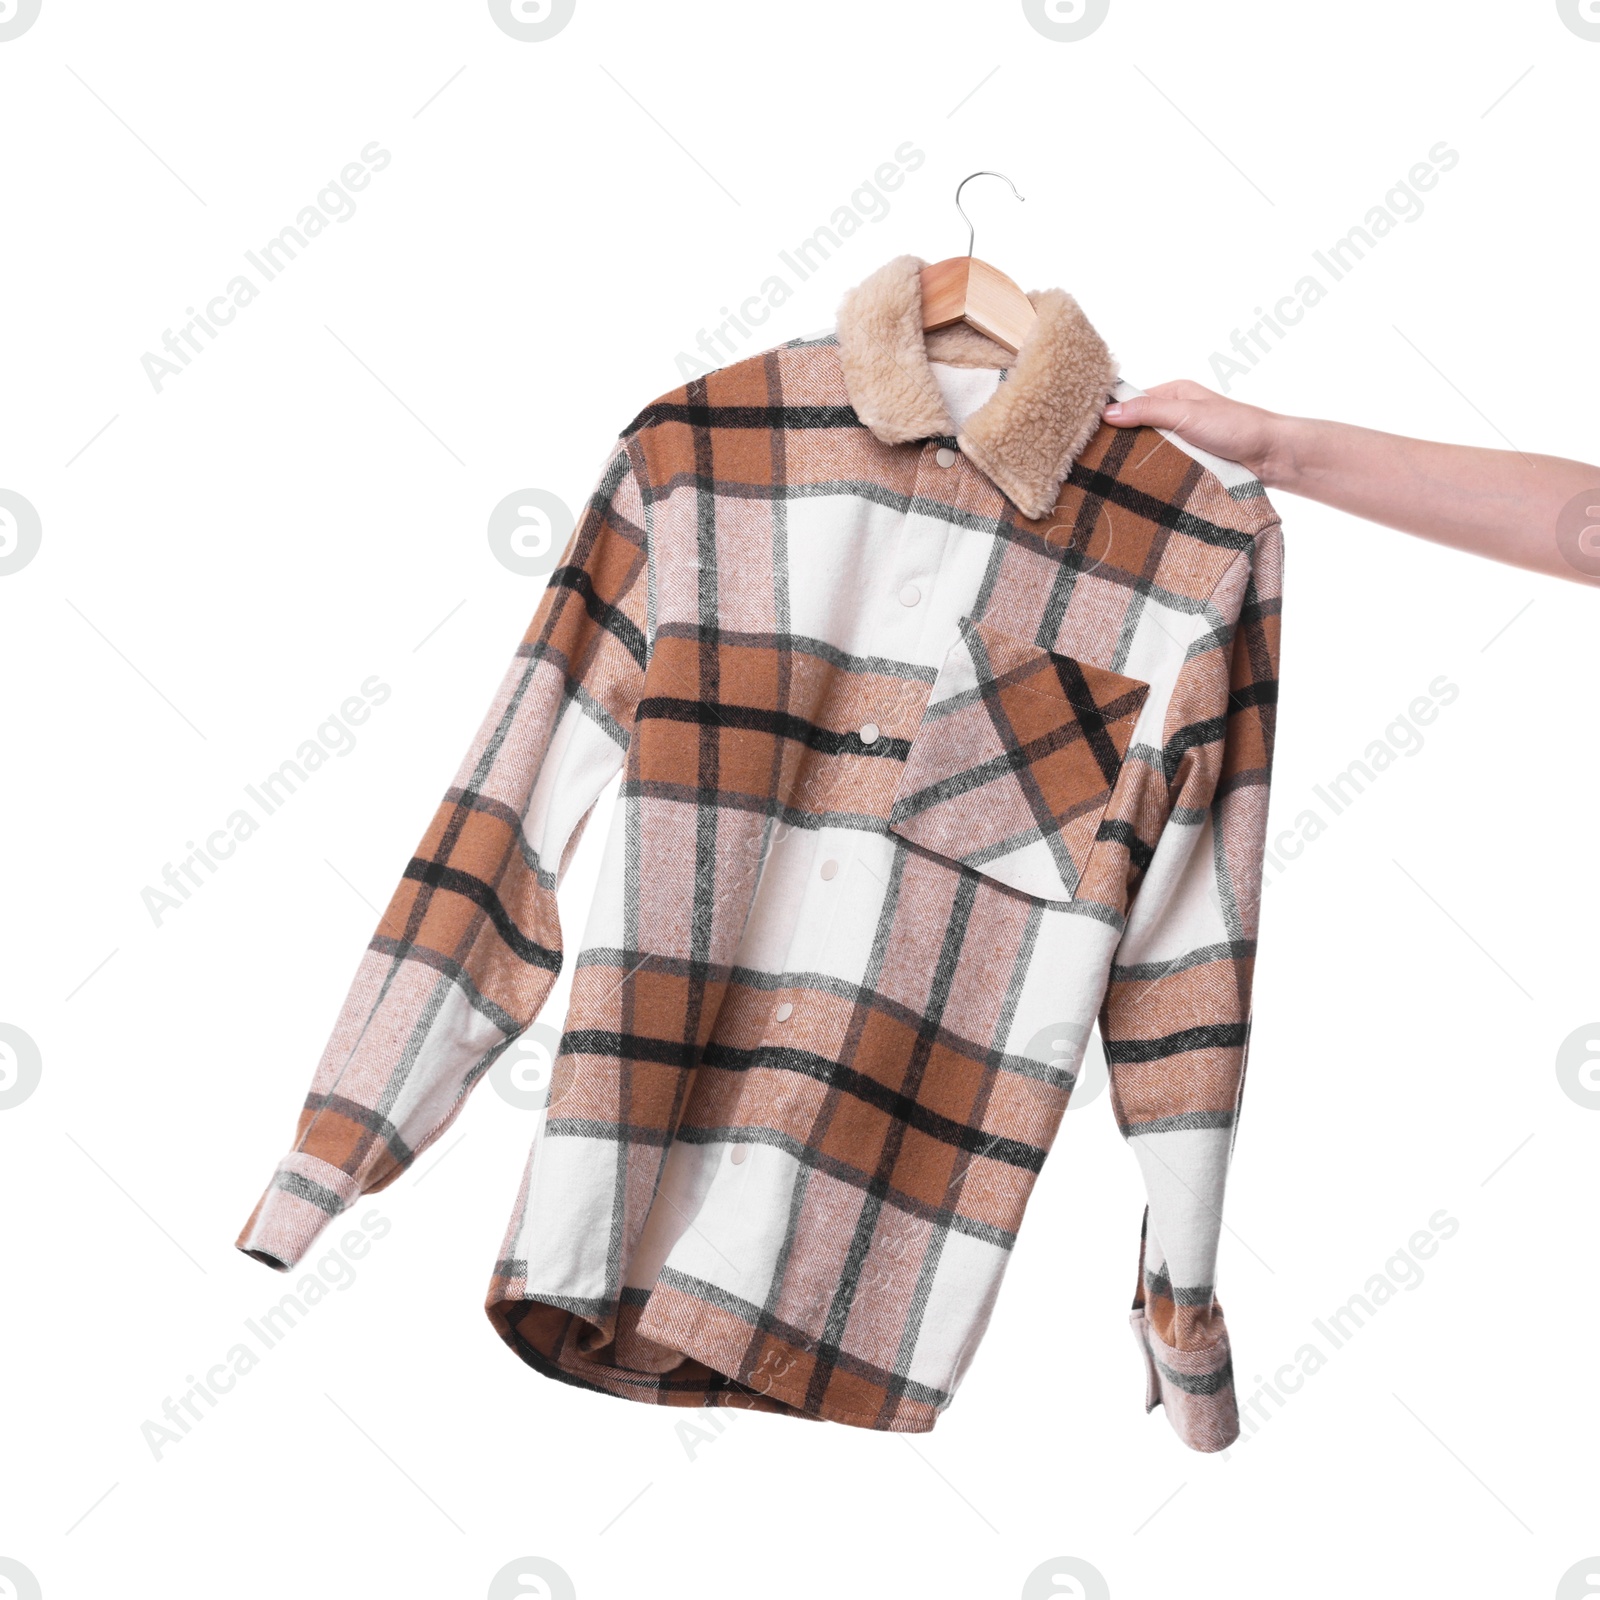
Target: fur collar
x=1026, y=436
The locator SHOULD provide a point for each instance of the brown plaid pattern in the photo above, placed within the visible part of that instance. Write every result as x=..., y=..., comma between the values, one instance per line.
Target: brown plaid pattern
x=909, y=781
x=1014, y=760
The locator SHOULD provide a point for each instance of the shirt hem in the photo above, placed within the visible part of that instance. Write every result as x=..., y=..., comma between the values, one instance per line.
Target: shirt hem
x=717, y=1359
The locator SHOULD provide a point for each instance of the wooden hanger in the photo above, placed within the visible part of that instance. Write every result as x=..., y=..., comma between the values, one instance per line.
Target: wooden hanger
x=965, y=289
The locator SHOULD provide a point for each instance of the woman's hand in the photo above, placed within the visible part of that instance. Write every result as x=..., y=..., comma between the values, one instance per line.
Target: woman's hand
x=1227, y=428
x=1534, y=511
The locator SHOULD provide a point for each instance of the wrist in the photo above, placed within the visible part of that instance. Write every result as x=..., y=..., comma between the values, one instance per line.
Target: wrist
x=1288, y=449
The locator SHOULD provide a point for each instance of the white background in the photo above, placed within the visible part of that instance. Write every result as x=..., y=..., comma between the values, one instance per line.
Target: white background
x=306, y=506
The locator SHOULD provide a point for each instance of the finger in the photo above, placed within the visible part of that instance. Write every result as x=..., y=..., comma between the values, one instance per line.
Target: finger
x=1150, y=411
x=1183, y=389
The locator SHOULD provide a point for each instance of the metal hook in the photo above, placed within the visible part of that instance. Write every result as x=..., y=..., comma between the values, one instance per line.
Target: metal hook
x=972, y=232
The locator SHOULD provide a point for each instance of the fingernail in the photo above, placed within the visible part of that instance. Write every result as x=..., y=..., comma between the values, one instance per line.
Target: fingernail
x=1114, y=409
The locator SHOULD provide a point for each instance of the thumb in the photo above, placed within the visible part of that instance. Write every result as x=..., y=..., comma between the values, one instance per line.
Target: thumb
x=1183, y=389
x=1150, y=411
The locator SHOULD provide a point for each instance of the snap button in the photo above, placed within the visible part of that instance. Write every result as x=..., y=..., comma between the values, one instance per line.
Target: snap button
x=830, y=869
x=784, y=1012
x=910, y=595
x=946, y=457
x=869, y=733
x=737, y=1154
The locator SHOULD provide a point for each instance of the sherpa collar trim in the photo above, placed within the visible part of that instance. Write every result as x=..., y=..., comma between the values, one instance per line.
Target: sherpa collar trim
x=1026, y=436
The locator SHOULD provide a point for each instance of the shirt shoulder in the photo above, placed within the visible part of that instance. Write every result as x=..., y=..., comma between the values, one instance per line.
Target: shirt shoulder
x=1173, y=516
x=796, y=384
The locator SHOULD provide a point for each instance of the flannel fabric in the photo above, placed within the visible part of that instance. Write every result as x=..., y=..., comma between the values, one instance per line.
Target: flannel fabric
x=915, y=786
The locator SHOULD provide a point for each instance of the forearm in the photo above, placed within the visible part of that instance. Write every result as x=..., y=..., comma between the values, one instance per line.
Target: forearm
x=1496, y=503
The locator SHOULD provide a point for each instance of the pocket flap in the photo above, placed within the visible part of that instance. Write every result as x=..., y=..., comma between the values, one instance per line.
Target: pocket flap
x=1015, y=758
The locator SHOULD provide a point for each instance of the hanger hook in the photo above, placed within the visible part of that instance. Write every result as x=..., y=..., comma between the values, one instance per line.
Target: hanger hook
x=972, y=232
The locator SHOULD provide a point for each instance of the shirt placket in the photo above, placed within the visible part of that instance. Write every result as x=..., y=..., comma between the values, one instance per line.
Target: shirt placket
x=905, y=606
x=900, y=613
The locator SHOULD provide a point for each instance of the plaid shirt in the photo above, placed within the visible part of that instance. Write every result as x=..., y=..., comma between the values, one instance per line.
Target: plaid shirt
x=944, y=716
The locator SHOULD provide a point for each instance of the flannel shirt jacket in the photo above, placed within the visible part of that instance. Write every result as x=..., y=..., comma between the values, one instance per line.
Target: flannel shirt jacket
x=944, y=715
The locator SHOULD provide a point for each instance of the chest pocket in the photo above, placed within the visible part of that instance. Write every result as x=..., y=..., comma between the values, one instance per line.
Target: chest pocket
x=1014, y=761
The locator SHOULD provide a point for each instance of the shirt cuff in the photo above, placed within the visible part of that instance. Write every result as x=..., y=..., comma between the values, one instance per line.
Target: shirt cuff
x=305, y=1195
x=1195, y=1387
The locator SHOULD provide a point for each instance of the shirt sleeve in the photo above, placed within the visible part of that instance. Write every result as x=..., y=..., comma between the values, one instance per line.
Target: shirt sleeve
x=1176, y=1016
x=470, y=943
